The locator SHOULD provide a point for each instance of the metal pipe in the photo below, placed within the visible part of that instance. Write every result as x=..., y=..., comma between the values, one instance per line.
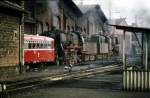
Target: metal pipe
x=123, y=56
x=21, y=42
x=142, y=50
x=124, y=62
x=0, y=88
x=146, y=51
x=20, y=65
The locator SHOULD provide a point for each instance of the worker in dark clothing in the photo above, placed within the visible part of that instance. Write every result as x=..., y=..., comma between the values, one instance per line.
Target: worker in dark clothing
x=68, y=65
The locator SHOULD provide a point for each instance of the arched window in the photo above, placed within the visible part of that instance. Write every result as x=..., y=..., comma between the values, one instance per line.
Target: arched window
x=116, y=41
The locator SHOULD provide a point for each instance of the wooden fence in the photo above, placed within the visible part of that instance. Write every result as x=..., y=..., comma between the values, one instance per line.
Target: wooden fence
x=136, y=80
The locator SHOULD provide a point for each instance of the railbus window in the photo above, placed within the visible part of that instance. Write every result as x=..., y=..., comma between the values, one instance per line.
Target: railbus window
x=33, y=45
x=36, y=43
x=49, y=45
x=29, y=45
x=45, y=45
x=38, y=46
x=41, y=45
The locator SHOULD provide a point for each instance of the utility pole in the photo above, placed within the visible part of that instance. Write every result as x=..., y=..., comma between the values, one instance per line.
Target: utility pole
x=136, y=22
x=81, y=2
x=109, y=8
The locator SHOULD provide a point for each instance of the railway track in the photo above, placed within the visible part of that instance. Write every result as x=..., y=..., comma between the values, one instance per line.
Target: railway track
x=26, y=84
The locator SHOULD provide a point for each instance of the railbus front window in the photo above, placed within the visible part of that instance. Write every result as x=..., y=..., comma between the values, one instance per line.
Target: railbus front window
x=26, y=45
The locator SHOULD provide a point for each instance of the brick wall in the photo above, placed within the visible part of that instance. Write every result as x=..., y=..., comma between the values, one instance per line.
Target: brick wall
x=7, y=72
x=9, y=43
x=9, y=39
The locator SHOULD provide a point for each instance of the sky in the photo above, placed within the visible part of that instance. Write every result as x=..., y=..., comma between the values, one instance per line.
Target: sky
x=133, y=10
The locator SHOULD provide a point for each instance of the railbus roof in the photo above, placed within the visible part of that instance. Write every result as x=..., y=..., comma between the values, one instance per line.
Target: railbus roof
x=37, y=38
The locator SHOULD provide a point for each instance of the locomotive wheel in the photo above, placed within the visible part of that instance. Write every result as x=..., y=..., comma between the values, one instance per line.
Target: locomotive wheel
x=27, y=68
x=57, y=61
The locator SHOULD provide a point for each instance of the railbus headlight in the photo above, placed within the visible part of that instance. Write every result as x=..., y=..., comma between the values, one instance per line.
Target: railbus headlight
x=0, y=87
x=4, y=87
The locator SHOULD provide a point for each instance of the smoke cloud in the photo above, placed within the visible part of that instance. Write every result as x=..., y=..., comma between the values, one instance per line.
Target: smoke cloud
x=134, y=11
x=142, y=14
x=53, y=5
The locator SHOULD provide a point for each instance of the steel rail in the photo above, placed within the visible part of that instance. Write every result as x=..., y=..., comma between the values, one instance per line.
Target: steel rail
x=58, y=77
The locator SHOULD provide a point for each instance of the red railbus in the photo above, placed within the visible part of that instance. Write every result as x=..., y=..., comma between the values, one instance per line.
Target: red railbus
x=38, y=49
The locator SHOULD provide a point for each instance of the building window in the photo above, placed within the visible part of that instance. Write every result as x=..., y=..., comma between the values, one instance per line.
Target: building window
x=84, y=30
x=81, y=30
x=68, y=28
x=47, y=27
x=40, y=28
x=72, y=28
x=59, y=22
x=64, y=25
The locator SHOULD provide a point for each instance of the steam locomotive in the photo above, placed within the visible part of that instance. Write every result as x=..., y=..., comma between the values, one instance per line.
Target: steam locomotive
x=62, y=48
